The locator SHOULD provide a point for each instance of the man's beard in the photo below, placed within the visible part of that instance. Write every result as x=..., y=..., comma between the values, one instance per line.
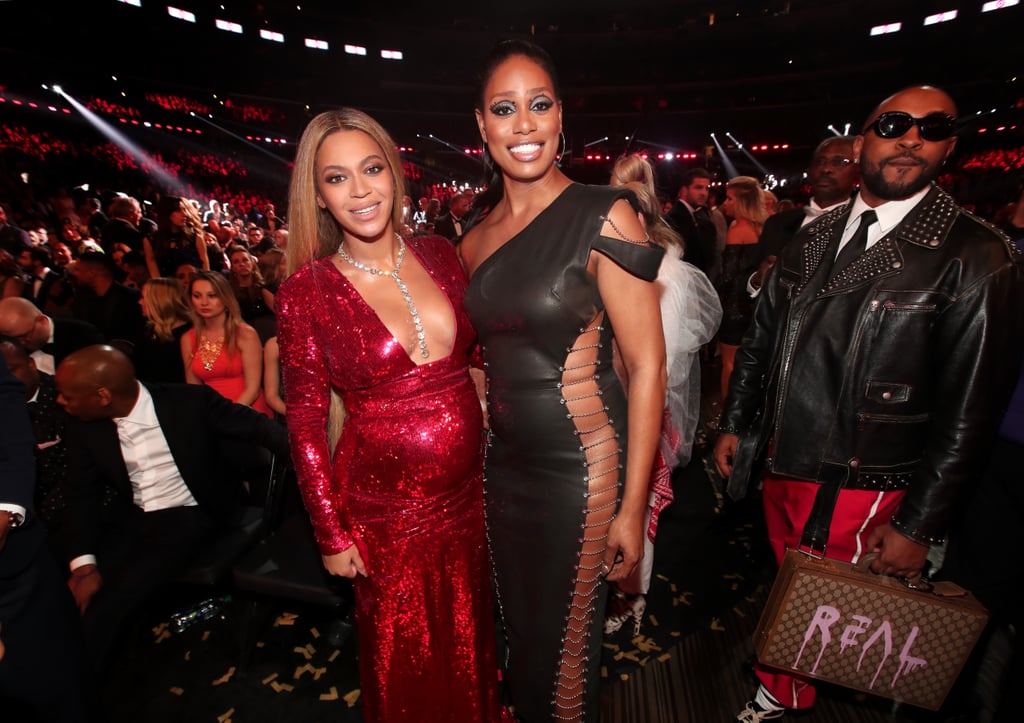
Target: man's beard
x=874, y=179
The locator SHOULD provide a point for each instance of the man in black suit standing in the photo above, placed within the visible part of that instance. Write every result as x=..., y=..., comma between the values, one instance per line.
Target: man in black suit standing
x=48, y=340
x=40, y=653
x=450, y=225
x=690, y=217
x=833, y=177
x=158, y=446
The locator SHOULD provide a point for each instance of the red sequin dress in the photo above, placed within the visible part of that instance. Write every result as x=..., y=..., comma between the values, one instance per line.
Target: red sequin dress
x=405, y=484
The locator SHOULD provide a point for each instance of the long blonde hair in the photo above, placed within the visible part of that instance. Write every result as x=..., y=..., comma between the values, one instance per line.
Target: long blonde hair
x=749, y=203
x=166, y=305
x=232, y=312
x=636, y=174
x=313, y=233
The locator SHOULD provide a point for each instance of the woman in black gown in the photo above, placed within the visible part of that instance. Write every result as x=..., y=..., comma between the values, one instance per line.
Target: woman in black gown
x=555, y=268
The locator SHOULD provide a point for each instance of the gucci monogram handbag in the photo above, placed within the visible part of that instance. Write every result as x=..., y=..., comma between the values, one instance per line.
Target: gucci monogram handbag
x=841, y=623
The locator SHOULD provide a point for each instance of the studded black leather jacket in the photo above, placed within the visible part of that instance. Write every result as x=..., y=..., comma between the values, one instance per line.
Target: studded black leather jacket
x=892, y=374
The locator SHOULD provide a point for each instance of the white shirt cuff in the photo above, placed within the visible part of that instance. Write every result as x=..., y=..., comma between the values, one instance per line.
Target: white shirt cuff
x=17, y=512
x=82, y=560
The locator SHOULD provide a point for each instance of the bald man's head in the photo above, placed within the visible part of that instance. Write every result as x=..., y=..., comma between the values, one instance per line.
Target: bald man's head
x=21, y=319
x=97, y=382
x=904, y=143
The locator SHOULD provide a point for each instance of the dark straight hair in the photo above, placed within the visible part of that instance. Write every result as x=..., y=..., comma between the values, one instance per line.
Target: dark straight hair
x=501, y=52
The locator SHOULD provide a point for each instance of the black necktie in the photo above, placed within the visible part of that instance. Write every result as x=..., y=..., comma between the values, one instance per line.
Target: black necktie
x=857, y=243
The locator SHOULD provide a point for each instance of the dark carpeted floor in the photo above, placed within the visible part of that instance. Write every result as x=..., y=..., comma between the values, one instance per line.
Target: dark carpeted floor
x=689, y=662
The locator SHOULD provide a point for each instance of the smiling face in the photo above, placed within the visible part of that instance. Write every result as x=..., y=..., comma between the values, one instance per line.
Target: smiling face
x=355, y=185
x=521, y=118
x=897, y=168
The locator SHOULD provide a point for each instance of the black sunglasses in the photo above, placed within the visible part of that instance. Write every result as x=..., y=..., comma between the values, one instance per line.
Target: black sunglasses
x=894, y=124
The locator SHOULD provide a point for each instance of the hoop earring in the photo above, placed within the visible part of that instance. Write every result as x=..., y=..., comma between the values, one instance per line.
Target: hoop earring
x=558, y=158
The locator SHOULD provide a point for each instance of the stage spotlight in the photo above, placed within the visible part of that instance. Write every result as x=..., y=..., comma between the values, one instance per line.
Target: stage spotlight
x=58, y=90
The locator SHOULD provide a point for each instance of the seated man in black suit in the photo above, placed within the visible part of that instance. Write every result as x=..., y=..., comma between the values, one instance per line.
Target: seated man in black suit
x=48, y=340
x=40, y=651
x=159, y=447
x=107, y=304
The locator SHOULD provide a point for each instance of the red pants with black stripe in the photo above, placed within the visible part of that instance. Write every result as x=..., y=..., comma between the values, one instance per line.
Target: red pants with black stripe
x=787, y=505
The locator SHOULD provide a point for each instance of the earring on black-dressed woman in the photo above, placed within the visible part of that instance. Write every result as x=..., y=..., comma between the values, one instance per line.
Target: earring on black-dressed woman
x=558, y=158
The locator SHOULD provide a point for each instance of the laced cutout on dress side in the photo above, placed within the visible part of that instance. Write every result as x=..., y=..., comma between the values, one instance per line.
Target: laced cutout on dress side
x=600, y=460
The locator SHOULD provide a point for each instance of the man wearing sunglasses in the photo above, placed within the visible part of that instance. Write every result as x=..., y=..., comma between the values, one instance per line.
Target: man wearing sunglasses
x=883, y=349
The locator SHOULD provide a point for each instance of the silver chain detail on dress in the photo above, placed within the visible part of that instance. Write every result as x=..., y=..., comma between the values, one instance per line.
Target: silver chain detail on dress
x=421, y=337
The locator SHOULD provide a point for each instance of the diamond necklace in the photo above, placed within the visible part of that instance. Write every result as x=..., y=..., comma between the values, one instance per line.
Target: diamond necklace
x=421, y=338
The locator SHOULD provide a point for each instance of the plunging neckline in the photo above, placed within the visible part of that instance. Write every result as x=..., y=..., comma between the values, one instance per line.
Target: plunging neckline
x=380, y=322
x=523, y=230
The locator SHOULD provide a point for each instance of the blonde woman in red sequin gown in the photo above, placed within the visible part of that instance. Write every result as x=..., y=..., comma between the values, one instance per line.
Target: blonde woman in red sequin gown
x=398, y=504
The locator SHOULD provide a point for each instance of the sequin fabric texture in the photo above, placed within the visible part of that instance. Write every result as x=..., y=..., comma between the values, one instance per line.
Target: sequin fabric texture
x=557, y=447
x=404, y=484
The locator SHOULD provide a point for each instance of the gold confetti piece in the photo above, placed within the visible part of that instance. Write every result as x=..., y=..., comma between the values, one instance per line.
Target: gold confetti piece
x=733, y=576
x=739, y=612
x=675, y=633
x=750, y=599
x=302, y=651
x=206, y=635
x=604, y=671
x=672, y=587
x=643, y=660
x=684, y=598
x=352, y=697
x=269, y=678
x=226, y=716
x=661, y=577
x=188, y=655
x=307, y=668
x=162, y=636
x=610, y=646
x=278, y=687
x=177, y=691
x=664, y=658
x=285, y=619
x=653, y=620
x=332, y=695
x=316, y=634
x=716, y=624
x=159, y=628
x=619, y=655
x=334, y=656
x=260, y=644
x=226, y=677
x=734, y=586
x=318, y=672
x=623, y=676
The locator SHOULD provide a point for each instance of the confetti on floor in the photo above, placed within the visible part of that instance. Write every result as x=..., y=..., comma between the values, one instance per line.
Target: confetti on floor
x=352, y=697
x=163, y=636
x=225, y=717
x=307, y=668
x=272, y=676
x=716, y=625
x=332, y=695
x=653, y=620
x=279, y=687
x=303, y=652
x=178, y=691
x=664, y=658
x=334, y=656
x=285, y=619
x=315, y=633
x=226, y=677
